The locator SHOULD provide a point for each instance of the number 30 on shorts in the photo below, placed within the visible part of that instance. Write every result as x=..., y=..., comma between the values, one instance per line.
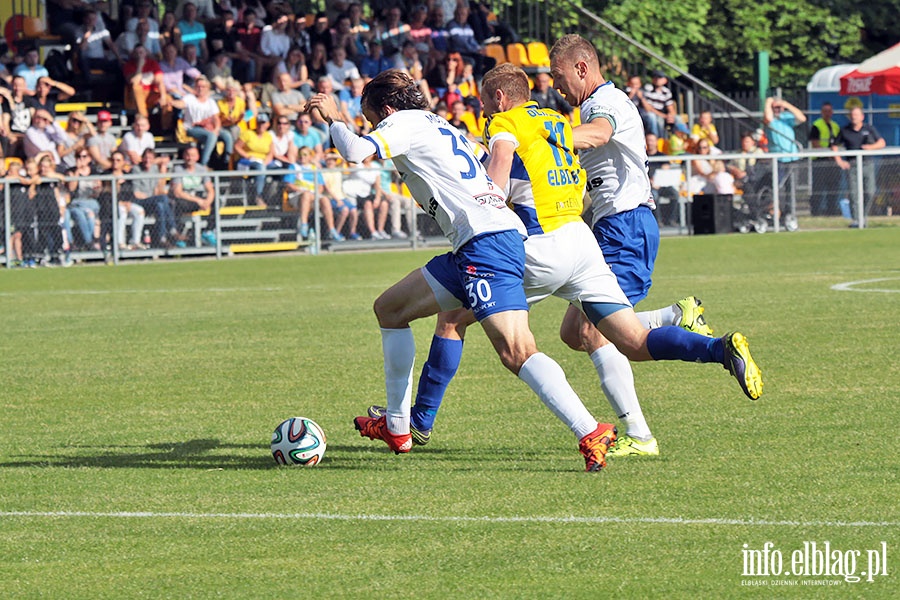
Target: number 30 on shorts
x=478, y=291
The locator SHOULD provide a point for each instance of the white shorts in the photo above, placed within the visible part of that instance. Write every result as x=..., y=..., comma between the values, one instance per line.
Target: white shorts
x=568, y=263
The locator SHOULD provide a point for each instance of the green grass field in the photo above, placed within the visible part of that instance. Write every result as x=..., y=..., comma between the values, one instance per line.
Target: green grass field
x=137, y=405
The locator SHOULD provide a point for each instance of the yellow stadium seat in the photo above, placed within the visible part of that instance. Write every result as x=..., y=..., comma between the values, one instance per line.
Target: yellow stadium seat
x=496, y=52
x=538, y=55
x=517, y=55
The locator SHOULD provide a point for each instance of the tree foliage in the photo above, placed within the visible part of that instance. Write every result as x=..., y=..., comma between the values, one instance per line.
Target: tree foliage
x=717, y=40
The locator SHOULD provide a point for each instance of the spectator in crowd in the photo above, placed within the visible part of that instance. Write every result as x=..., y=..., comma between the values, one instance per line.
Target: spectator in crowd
x=343, y=207
x=100, y=146
x=321, y=33
x=49, y=92
x=255, y=150
x=146, y=87
x=48, y=193
x=375, y=61
x=635, y=91
x=399, y=204
x=744, y=169
x=354, y=107
x=826, y=174
x=151, y=193
x=665, y=196
x=21, y=211
x=257, y=7
x=205, y=9
x=44, y=135
x=392, y=32
x=325, y=85
x=93, y=42
x=295, y=66
x=201, y=120
x=137, y=140
x=78, y=131
x=287, y=101
x=457, y=111
x=126, y=207
x=84, y=207
x=317, y=64
x=345, y=37
x=858, y=135
x=127, y=40
x=462, y=40
x=143, y=10
x=168, y=30
x=311, y=185
x=192, y=189
x=218, y=71
x=174, y=70
x=31, y=69
x=780, y=118
x=226, y=39
x=284, y=151
x=307, y=136
x=340, y=69
x=358, y=25
x=237, y=108
x=192, y=32
x=18, y=115
x=420, y=35
x=705, y=129
x=547, y=97
x=363, y=185
x=659, y=104
x=274, y=43
x=678, y=141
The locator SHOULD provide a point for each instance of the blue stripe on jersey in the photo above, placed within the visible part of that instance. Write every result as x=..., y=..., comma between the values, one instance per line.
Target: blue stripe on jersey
x=518, y=170
x=529, y=217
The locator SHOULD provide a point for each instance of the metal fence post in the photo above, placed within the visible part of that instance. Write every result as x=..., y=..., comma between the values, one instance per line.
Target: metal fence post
x=860, y=190
x=115, y=220
x=7, y=223
x=215, y=212
x=317, y=218
x=776, y=196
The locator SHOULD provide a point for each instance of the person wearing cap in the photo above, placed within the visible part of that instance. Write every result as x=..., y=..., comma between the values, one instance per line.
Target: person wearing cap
x=102, y=143
x=659, y=104
x=256, y=150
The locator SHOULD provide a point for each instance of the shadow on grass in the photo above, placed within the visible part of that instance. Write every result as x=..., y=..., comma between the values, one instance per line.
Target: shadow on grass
x=205, y=454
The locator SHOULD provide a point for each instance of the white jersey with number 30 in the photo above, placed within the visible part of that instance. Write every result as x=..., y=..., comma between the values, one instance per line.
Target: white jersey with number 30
x=617, y=171
x=444, y=176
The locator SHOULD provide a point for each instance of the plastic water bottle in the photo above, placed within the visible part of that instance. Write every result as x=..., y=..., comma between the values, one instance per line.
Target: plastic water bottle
x=313, y=242
x=123, y=119
x=147, y=239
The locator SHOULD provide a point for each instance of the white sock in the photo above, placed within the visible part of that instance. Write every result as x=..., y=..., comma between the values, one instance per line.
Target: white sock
x=617, y=381
x=399, y=348
x=653, y=319
x=547, y=379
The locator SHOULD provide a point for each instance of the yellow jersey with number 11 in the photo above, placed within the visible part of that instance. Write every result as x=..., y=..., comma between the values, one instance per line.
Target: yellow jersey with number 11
x=546, y=185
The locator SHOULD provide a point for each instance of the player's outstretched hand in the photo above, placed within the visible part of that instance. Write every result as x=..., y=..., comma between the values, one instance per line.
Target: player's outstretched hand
x=325, y=104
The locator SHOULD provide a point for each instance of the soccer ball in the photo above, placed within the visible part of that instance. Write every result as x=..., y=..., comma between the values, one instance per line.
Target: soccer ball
x=298, y=441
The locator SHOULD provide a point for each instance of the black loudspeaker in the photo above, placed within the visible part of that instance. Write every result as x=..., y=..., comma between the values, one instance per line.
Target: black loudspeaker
x=711, y=213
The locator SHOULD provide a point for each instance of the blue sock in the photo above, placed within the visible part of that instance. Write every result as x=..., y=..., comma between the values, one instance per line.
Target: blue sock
x=675, y=343
x=439, y=369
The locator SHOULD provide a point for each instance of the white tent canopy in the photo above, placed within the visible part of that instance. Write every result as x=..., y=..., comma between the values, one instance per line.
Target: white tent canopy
x=829, y=78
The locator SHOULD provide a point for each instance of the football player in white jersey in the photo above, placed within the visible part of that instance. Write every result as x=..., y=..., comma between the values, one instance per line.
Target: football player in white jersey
x=483, y=272
x=531, y=151
x=612, y=151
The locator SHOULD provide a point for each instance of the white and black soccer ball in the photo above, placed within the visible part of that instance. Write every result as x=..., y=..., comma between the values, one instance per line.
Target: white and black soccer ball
x=298, y=441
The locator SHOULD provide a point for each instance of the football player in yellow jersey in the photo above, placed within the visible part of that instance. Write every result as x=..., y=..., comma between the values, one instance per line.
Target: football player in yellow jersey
x=562, y=256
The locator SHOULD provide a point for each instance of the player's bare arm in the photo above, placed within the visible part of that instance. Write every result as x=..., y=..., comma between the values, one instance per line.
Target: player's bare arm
x=501, y=159
x=592, y=135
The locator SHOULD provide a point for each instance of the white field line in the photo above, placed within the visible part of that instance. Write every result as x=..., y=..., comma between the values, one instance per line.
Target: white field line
x=849, y=286
x=445, y=519
x=212, y=290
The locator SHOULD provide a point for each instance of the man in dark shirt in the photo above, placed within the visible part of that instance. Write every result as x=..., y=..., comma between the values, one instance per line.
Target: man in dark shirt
x=547, y=97
x=858, y=135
